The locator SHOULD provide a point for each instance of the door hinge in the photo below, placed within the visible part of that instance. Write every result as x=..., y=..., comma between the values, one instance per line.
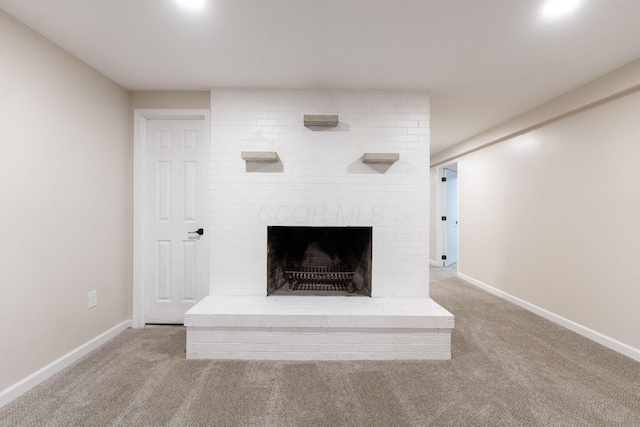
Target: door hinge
x=444, y=179
x=444, y=257
x=444, y=218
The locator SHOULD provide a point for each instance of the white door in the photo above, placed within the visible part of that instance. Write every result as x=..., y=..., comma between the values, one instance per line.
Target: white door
x=451, y=224
x=175, y=191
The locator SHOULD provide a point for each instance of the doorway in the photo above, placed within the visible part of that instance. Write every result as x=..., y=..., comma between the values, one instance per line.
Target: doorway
x=449, y=214
x=170, y=206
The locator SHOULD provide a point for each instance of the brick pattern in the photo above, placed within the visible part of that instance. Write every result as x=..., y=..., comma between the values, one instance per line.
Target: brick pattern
x=319, y=181
x=274, y=344
x=318, y=344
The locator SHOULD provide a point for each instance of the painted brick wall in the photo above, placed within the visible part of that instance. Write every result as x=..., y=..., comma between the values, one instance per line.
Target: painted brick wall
x=319, y=181
x=318, y=344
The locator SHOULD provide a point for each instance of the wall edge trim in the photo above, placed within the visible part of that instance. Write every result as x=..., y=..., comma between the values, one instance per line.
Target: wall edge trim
x=448, y=158
x=16, y=390
x=597, y=337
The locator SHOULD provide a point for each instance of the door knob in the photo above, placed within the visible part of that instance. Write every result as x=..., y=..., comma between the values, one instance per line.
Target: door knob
x=199, y=231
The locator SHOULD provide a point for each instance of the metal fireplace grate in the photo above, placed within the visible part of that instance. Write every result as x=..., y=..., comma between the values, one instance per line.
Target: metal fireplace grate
x=321, y=279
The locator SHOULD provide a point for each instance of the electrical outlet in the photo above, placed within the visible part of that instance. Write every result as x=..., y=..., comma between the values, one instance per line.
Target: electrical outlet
x=93, y=299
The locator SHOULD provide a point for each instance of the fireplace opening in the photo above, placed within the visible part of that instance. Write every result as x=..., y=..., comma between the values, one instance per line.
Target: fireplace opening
x=319, y=261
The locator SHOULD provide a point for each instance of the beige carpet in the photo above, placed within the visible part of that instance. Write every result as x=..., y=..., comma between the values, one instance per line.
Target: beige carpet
x=509, y=368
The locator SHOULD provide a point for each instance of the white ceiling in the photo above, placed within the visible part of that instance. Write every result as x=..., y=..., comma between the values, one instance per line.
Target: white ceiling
x=484, y=61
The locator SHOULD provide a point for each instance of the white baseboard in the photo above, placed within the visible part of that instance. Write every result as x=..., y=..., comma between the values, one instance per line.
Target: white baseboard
x=26, y=384
x=435, y=263
x=604, y=340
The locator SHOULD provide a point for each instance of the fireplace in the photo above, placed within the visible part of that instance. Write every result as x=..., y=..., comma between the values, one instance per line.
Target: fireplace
x=319, y=237
x=319, y=261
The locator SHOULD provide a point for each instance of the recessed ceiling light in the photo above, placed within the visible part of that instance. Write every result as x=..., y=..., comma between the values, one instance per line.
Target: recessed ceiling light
x=191, y=4
x=558, y=8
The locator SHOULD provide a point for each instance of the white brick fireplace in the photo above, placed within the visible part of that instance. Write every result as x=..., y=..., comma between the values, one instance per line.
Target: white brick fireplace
x=319, y=180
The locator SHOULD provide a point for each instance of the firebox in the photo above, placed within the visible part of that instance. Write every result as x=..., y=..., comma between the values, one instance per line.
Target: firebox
x=319, y=261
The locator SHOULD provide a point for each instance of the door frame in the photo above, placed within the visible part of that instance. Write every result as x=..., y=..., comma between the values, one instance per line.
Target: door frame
x=440, y=210
x=141, y=119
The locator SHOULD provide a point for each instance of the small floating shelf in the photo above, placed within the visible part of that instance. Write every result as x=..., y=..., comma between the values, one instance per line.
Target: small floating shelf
x=380, y=158
x=260, y=156
x=320, y=120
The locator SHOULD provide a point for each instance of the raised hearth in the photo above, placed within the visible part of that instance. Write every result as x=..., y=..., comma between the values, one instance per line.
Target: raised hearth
x=318, y=328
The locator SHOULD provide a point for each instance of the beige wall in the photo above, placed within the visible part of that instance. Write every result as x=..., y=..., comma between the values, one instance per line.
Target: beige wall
x=66, y=194
x=550, y=217
x=170, y=99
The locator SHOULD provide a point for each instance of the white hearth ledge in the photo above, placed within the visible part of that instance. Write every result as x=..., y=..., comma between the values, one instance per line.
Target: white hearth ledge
x=318, y=328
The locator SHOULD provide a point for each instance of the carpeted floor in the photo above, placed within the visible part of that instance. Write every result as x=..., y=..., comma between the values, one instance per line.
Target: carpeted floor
x=509, y=368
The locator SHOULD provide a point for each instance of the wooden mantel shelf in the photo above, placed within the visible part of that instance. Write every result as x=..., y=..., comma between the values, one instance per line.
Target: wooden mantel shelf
x=260, y=156
x=320, y=120
x=380, y=157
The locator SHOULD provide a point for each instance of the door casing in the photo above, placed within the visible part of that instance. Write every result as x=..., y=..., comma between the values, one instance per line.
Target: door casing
x=141, y=119
x=440, y=211
x=450, y=199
